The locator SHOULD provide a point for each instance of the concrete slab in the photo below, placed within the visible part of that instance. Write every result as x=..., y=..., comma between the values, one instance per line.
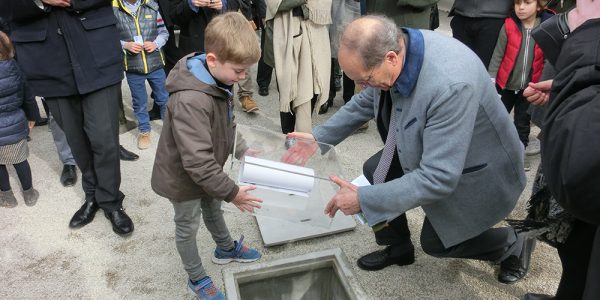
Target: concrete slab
x=277, y=232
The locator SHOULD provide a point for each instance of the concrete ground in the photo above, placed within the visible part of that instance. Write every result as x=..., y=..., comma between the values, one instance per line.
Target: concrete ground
x=42, y=258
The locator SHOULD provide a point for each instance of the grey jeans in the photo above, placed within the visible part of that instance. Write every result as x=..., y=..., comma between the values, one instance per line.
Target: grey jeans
x=187, y=221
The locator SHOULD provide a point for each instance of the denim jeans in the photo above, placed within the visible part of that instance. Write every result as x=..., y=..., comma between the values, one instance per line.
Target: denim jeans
x=139, y=96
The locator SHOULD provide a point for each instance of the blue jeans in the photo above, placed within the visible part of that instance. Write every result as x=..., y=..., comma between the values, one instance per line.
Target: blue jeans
x=139, y=96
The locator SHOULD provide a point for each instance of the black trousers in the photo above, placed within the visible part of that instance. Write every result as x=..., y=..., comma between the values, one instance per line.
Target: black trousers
x=580, y=259
x=264, y=72
x=348, y=88
x=491, y=245
x=479, y=34
x=288, y=119
x=91, y=125
x=515, y=99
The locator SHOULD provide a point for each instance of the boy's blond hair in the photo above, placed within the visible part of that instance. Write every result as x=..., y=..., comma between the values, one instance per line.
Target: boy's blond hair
x=230, y=37
x=7, y=51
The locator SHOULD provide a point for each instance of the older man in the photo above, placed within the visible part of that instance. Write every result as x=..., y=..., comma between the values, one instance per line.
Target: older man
x=449, y=148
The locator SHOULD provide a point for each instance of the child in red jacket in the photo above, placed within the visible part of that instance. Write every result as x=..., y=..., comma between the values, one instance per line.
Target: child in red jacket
x=518, y=60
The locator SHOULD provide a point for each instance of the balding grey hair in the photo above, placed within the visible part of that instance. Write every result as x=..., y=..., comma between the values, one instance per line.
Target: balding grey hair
x=371, y=44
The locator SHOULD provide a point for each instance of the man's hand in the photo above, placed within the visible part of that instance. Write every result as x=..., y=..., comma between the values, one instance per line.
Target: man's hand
x=346, y=199
x=244, y=201
x=59, y=3
x=31, y=124
x=149, y=46
x=538, y=93
x=303, y=148
x=133, y=47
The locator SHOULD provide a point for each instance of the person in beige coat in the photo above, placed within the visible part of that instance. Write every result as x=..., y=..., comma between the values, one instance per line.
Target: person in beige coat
x=302, y=58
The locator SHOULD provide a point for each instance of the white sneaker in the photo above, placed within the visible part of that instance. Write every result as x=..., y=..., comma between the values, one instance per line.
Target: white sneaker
x=533, y=147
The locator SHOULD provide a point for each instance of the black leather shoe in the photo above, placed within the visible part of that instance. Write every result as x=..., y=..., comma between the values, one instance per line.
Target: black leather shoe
x=121, y=223
x=380, y=259
x=530, y=296
x=127, y=155
x=68, y=177
x=325, y=107
x=514, y=268
x=263, y=90
x=84, y=215
x=41, y=122
x=154, y=113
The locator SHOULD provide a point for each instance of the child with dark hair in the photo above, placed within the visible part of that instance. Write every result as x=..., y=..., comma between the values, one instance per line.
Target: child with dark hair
x=518, y=60
x=18, y=113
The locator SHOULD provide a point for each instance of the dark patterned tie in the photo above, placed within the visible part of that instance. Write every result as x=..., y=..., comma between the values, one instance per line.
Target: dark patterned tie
x=388, y=152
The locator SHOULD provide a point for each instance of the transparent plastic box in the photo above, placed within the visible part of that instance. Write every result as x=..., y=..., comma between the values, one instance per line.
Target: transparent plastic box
x=289, y=192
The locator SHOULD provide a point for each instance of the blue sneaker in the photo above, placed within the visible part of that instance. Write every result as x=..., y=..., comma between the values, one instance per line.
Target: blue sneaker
x=205, y=289
x=239, y=253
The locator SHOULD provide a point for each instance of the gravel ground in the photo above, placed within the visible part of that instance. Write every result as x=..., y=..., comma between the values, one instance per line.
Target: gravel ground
x=42, y=258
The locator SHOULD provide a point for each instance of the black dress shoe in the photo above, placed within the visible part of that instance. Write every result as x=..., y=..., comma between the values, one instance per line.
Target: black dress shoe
x=127, y=155
x=84, y=215
x=41, y=122
x=380, y=259
x=121, y=223
x=325, y=107
x=530, y=296
x=68, y=177
x=154, y=113
x=263, y=90
x=514, y=268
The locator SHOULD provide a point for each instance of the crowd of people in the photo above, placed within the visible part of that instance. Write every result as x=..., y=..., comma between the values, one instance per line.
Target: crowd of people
x=441, y=105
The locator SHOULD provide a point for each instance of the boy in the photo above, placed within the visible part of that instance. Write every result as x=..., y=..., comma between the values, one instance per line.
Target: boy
x=196, y=139
x=143, y=33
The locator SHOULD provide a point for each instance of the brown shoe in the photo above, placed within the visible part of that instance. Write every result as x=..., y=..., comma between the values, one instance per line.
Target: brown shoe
x=143, y=140
x=248, y=104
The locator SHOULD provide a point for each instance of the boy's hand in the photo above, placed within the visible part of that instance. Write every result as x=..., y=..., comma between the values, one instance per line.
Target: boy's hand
x=133, y=47
x=252, y=152
x=149, y=46
x=244, y=201
x=31, y=124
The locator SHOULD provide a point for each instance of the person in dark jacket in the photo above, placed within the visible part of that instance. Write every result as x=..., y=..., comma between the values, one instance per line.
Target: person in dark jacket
x=70, y=52
x=192, y=16
x=18, y=113
x=571, y=143
x=477, y=24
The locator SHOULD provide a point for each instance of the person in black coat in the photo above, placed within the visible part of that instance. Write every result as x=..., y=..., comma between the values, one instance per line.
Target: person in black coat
x=571, y=142
x=192, y=16
x=71, y=55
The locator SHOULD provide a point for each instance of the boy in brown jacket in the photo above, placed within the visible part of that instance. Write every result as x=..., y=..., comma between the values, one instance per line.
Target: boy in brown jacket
x=196, y=139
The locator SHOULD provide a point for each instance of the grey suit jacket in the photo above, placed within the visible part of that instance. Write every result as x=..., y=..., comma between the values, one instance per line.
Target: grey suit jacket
x=461, y=155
